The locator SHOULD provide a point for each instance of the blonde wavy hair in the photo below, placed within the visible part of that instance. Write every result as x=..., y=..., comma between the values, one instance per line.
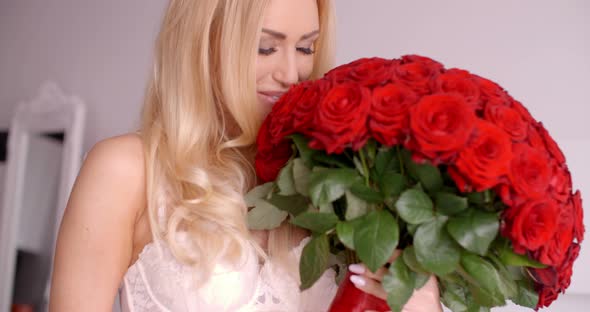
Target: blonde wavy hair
x=201, y=117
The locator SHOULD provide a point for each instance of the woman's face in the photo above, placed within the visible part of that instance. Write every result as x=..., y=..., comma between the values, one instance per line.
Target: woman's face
x=285, y=52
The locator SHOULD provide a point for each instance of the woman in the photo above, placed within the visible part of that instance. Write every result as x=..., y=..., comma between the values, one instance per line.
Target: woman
x=160, y=214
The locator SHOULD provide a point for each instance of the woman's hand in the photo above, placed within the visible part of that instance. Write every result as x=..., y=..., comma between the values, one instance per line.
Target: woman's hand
x=425, y=299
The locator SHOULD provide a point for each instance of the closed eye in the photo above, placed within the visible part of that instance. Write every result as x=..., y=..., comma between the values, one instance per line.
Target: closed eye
x=306, y=51
x=268, y=51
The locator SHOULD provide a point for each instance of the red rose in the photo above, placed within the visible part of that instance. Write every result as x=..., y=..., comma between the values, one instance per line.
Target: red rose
x=270, y=158
x=546, y=296
x=441, y=125
x=487, y=156
x=530, y=172
x=263, y=139
x=565, y=270
x=416, y=72
x=523, y=111
x=560, y=184
x=578, y=217
x=491, y=93
x=508, y=119
x=341, y=118
x=552, y=147
x=306, y=108
x=562, y=274
x=341, y=74
x=460, y=180
x=534, y=223
x=389, y=113
x=506, y=193
x=458, y=81
x=546, y=277
x=281, y=123
x=372, y=72
x=535, y=140
x=555, y=250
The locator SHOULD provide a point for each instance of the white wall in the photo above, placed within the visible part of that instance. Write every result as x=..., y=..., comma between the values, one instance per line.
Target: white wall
x=99, y=50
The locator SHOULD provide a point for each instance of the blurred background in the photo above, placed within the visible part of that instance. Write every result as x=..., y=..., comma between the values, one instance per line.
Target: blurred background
x=101, y=51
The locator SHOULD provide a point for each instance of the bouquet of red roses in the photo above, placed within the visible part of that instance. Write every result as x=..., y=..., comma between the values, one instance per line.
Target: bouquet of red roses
x=445, y=165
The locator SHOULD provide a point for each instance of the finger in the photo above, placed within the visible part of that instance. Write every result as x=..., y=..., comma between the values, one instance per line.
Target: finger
x=396, y=254
x=362, y=270
x=369, y=286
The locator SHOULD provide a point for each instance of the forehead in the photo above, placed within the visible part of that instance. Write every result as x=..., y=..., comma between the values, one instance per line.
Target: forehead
x=291, y=17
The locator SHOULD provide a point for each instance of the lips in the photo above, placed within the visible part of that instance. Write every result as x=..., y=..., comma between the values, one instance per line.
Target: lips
x=270, y=97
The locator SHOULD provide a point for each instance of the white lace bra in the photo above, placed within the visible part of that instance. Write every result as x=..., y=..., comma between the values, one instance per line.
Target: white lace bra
x=157, y=282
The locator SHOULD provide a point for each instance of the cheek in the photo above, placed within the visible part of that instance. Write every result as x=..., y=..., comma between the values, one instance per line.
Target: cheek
x=263, y=68
x=305, y=67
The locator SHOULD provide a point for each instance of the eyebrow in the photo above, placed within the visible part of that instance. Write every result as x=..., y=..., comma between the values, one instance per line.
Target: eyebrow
x=282, y=36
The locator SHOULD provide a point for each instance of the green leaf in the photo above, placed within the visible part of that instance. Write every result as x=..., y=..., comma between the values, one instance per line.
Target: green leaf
x=453, y=297
x=265, y=216
x=327, y=208
x=415, y=207
x=409, y=257
x=376, y=238
x=411, y=166
x=301, y=177
x=355, y=207
x=305, y=151
x=317, y=222
x=285, y=180
x=328, y=185
x=314, y=260
x=359, y=166
x=386, y=161
x=477, y=308
x=392, y=183
x=449, y=204
x=509, y=287
x=489, y=289
x=454, y=278
x=259, y=192
x=509, y=257
x=295, y=204
x=412, y=228
x=480, y=198
x=527, y=296
x=371, y=148
x=366, y=193
x=420, y=280
x=484, y=298
x=474, y=230
x=345, y=232
x=399, y=284
x=435, y=249
x=429, y=176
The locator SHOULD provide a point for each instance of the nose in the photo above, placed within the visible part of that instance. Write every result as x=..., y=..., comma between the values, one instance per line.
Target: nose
x=286, y=72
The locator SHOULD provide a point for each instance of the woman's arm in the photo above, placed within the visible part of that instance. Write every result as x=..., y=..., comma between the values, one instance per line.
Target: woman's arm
x=95, y=242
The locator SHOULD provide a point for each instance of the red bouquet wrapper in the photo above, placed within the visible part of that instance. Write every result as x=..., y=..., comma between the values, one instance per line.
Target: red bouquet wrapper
x=351, y=299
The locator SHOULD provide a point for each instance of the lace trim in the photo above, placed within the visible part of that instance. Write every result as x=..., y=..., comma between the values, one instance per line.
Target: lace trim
x=159, y=283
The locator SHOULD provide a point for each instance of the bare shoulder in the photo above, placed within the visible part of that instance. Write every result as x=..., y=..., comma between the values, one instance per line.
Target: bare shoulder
x=95, y=241
x=115, y=167
x=123, y=152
